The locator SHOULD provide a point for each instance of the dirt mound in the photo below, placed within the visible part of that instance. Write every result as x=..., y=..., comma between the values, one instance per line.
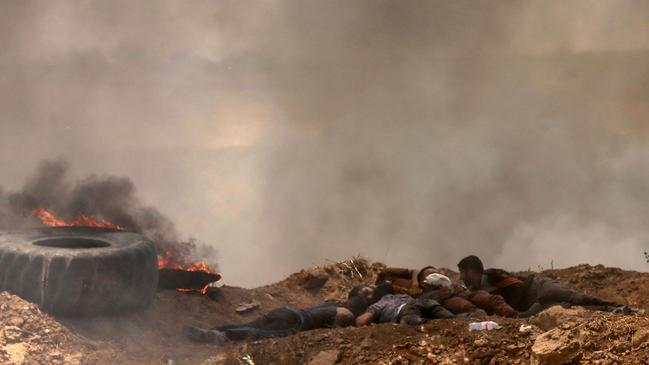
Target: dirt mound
x=593, y=337
x=29, y=336
x=630, y=287
x=555, y=336
x=154, y=335
x=579, y=335
x=321, y=283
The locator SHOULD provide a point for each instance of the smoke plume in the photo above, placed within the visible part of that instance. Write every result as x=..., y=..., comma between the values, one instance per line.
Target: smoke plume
x=107, y=198
x=285, y=133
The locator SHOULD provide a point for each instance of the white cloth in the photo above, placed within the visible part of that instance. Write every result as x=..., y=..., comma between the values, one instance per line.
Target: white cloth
x=437, y=280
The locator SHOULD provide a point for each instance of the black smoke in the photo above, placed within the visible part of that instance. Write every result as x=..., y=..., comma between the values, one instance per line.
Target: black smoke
x=109, y=198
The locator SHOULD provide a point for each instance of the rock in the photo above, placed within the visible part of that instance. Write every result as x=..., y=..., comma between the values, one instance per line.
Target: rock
x=640, y=337
x=73, y=359
x=558, y=316
x=328, y=357
x=556, y=347
x=247, y=307
x=12, y=334
x=16, y=352
x=481, y=342
x=16, y=321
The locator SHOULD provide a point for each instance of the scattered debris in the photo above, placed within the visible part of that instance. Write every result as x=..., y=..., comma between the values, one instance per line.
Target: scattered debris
x=247, y=307
x=483, y=326
x=525, y=328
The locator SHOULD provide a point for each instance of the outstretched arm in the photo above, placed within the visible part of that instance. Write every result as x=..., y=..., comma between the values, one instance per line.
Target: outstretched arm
x=393, y=272
x=365, y=319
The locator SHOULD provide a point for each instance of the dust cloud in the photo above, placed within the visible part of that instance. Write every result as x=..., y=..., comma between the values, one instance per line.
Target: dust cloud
x=286, y=133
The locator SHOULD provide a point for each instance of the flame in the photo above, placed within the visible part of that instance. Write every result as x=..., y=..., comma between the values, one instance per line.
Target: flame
x=48, y=219
x=166, y=262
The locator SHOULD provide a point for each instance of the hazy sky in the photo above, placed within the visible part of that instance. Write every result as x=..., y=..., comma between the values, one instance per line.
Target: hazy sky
x=286, y=133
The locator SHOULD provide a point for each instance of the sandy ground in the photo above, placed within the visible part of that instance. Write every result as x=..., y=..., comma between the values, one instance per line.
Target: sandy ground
x=153, y=336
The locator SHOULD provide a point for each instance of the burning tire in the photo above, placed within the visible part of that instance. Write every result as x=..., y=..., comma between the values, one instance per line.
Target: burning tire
x=79, y=270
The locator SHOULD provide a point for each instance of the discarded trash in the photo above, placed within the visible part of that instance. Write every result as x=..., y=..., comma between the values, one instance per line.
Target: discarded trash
x=247, y=307
x=483, y=326
x=247, y=360
x=525, y=328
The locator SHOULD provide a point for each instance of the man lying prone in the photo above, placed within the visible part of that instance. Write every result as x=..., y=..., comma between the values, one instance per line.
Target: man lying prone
x=285, y=321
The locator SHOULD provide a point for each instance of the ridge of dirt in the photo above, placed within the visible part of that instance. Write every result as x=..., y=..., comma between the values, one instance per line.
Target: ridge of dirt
x=29, y=336
x=154, y=335
x=569, y=336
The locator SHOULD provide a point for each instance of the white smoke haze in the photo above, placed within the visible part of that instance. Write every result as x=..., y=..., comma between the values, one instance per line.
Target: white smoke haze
x=285, y=133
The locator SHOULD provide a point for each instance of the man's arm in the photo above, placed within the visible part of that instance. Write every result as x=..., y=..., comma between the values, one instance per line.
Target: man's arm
x=393, y=272
x=365, y=319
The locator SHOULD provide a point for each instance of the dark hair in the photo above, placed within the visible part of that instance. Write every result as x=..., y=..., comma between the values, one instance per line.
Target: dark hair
x=496, y=275
x=356, y=291
x=421, y=273
x=344, y=319
x=471, y=262
x=382, y=290
x=357, y=304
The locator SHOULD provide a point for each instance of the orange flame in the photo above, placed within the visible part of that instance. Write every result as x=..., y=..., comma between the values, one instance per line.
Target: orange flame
x=48, y=219
x=166, y=262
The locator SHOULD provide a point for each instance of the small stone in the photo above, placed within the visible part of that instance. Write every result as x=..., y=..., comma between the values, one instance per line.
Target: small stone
x=16, y=321
x=328, y=357
x=640, y=337
x=12, y=334
x=480, y=342
x=247, y=307
x=16, y=352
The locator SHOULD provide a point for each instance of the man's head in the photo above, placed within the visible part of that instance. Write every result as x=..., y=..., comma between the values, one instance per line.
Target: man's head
x=429, y=279
x=421, y=276
x=357, y=304
x=344, y=317
x=380, y=291
x=364, y=291
x=471, y=270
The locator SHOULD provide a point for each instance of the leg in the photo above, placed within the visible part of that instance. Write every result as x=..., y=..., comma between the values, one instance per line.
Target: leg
x=431, y=309
x=554, y=293
x=281, y=322
x=276, y=323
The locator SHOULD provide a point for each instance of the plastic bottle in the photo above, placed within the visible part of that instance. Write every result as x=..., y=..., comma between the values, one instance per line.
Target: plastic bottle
x=483, y=326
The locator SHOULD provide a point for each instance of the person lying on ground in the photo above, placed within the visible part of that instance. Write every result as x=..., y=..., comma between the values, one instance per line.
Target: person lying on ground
x=404, y=281
x=458, y=299
x=452, y=296
x=530, y=294
x=283, y=322
x=402, y=308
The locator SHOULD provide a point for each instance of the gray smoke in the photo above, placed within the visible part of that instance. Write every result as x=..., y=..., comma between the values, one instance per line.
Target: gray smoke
x=106, y=198
x=286, y=132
